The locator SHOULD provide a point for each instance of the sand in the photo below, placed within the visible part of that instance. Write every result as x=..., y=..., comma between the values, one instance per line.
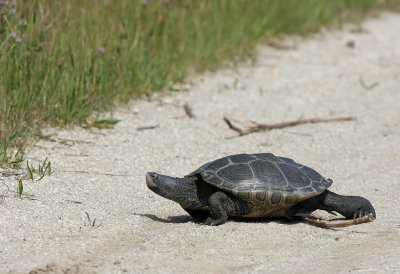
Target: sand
x=102, y=172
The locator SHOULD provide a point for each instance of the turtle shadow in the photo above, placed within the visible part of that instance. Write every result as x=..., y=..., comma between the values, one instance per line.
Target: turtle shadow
x=181, y=219
x=278, y=220
x=171, y=219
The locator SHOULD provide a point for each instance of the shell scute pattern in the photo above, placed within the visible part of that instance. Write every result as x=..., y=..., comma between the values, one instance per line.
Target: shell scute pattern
x=289, y=161
x=311, y=173
x=261, y=195
x=267, y=156
x=220, y=163
x=241, y=158
x=267, y=173
x=293, y=176
x=291, y=199
x=236, y=173
x=263, y=179
x=210, y=167
x=276, y=198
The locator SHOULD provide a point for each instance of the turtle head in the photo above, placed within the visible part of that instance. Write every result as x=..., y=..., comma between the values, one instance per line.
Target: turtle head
x=180, y=190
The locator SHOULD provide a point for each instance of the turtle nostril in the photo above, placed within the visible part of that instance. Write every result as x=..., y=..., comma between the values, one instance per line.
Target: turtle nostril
x=149, y=180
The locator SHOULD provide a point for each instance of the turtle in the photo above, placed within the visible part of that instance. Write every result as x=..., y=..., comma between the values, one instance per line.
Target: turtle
x=255, y=186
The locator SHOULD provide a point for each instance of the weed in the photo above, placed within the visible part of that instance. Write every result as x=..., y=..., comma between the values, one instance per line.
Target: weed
x=102, y=124
x=20, y=189
x=92, y=223
x=235, y=84
x=42, y=170
x=11, y=157
x=368, y=87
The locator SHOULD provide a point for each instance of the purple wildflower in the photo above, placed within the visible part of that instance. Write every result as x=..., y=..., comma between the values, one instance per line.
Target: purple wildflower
x=101, y=50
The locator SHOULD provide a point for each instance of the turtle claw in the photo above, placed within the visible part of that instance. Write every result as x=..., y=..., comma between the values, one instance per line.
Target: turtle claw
x=364, y=211
x=213, y=222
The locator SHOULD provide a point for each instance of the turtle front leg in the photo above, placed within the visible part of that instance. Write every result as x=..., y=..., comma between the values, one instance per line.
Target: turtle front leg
x=222, y=205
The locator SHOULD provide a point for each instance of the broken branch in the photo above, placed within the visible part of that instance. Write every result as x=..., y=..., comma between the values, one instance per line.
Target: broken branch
x=365, y=219
x=147, y=127
x=94, y=172
x=257, y=127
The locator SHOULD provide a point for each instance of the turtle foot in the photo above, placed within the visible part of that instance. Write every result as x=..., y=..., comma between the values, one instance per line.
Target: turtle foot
x=213, y=222
x=366, y=210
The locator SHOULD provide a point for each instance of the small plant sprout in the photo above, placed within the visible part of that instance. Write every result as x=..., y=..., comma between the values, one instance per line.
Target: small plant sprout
x=368, y=87
x=42, y=170
x=235, y=84
x=10, y=158
x=92, y=223
x=31, y=170
x=20, y=189
x=20, y=192
x=102, y=124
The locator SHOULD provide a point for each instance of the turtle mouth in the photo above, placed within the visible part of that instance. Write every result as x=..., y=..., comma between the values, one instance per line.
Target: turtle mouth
x=149, y=180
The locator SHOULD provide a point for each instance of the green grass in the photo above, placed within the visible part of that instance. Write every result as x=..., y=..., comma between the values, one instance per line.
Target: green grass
x=92, y=223
x=62, y=60
x=42, y=170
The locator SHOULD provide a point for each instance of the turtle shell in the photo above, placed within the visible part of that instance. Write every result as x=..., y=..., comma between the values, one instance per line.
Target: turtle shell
x=269, y=183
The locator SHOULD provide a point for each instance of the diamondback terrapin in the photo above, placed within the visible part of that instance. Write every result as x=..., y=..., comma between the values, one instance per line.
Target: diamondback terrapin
x=255, y=186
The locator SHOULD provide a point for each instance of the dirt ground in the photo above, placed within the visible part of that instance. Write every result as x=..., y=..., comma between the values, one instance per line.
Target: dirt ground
x=102, y=172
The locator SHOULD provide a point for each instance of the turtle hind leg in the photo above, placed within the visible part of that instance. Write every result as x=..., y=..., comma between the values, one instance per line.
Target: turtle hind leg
x=304, y=208
x=351, y=207
x=222, y=205
x=358, y=209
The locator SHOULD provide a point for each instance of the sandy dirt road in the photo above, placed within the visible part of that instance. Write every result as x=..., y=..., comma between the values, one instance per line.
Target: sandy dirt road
x=102, y=172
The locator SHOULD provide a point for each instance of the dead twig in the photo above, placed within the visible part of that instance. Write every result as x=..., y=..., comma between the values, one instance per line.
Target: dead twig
x=256, y=127
x=64, y=141
x=76, y=155
x=95, y=172
x=189, y=111
x=7, y=172
x=329, y=224
x=74, y=202
x=147, y=127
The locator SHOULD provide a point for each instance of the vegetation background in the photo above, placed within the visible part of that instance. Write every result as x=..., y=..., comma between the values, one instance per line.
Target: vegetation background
x=62, y=60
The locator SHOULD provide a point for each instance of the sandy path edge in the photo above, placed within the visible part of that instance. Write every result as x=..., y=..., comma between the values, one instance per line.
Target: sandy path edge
x=142, y=232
